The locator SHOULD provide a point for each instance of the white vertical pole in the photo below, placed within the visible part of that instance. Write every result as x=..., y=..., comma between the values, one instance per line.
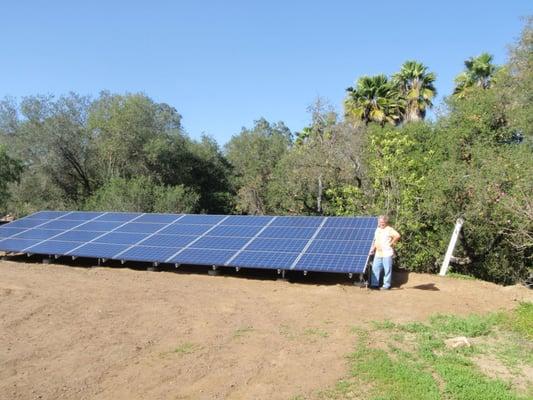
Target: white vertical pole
x=451, y=246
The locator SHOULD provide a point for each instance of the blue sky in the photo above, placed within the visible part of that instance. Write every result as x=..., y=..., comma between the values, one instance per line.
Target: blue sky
x=224, y=64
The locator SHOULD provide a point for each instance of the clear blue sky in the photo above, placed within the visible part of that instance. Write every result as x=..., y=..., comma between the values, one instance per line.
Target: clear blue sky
x=223, y=64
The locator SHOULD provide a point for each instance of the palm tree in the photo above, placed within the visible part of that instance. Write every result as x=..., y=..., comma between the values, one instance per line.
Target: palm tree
x=479, y=73
x=416, y=85
x=374, y=99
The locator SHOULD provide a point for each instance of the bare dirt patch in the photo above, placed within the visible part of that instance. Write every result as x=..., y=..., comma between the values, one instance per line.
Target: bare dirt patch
x=115, y=333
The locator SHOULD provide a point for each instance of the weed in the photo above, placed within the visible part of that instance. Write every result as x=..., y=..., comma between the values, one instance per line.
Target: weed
x=316, y=332
x=243, y=331
x=470, y=326
x=285, y=330
x=186, y=348
x=521, y=320
x=457, y=275
x=383, y=325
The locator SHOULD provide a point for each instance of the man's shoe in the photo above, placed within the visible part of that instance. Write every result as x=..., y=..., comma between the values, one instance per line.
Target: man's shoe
x=384, y=288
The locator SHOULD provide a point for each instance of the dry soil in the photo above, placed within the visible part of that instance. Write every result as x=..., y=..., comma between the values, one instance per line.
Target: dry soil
x=71, y=332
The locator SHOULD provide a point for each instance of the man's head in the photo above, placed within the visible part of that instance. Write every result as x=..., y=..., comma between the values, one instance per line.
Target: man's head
x=383, y=221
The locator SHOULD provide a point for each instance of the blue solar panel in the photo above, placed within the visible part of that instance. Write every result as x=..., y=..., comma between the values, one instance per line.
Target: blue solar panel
x=332, y=244
x=77, y=236
x=331, y=263
x=281, y=232
x=353, y=223
x=247, y=220
x=135, y=227
x=60, y=225
x=26, y=223
x=266, y=244
x=116, y=216
x=41, y=234
x=168, y=240
x=345, y=234
x=340, y=247
x=185, y=229
x=158, y=218
x=298, y=222
x=54, y=247
x=98, y=250
x=148, y=253
x=202, y=257
x=232, y=230
x=220, y=242
x=47, y=215
x=80, y=216
x=98, y=226
x=263, y=259
x=7, y=231
x=16, y=245
x=202, y=219
x=121, y=238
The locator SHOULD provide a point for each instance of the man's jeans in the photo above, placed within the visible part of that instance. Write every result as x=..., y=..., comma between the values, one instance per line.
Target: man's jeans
x=380, y=263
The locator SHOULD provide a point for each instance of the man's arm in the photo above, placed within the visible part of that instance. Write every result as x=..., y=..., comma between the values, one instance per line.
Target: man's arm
x=395, y=238
x=372, y=248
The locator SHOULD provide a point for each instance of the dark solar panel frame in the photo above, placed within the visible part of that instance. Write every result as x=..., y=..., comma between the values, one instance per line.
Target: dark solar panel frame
x=327, y=244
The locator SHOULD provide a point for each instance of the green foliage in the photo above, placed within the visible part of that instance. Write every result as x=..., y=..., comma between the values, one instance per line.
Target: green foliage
x=141, y=194
x=470, y=326
x=479, y=72
x=10, y=171
x=391, y=379
x=374, y=99
x=416, y=87
x=521, y=320
x=254, y=154
x=75, y=149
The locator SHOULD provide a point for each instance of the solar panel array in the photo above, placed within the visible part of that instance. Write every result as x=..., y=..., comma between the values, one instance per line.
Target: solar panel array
x=327, y=244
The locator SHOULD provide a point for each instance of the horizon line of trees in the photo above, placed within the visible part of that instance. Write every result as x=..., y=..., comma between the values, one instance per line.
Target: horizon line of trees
x=129, y=153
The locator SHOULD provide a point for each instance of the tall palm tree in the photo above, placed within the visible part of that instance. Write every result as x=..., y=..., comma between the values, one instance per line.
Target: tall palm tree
x=479, y=73
x=374, y=99
x=416, y=85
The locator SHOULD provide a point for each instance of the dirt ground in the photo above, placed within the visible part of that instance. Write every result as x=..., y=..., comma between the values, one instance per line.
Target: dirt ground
x=71, y=332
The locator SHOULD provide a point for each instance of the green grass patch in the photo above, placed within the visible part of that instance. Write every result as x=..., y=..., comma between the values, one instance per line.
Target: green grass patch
x=187, y=348
x=399, y=379
x=412, y=361
x=521, y=320
x=383, y=325
x=457, y=275
x=470, y=326
x=316, y=332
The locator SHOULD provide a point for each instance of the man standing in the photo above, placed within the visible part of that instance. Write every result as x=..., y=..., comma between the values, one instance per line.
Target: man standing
x=385, y=239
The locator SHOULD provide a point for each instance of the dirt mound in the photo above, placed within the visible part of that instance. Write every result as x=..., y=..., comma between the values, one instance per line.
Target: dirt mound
x=117, y=333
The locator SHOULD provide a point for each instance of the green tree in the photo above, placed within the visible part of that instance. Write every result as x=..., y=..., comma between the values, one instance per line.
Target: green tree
x=254, y=154
x=50, y=136
x=416, y=86
x=142, y=194
x=125, y=128
x=479, y=73
x=10, y=171
x=517, y=83
x=374, y=99
x=327, y=153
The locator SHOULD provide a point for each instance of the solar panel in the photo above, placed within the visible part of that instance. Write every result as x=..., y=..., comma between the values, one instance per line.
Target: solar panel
x=326, y=244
